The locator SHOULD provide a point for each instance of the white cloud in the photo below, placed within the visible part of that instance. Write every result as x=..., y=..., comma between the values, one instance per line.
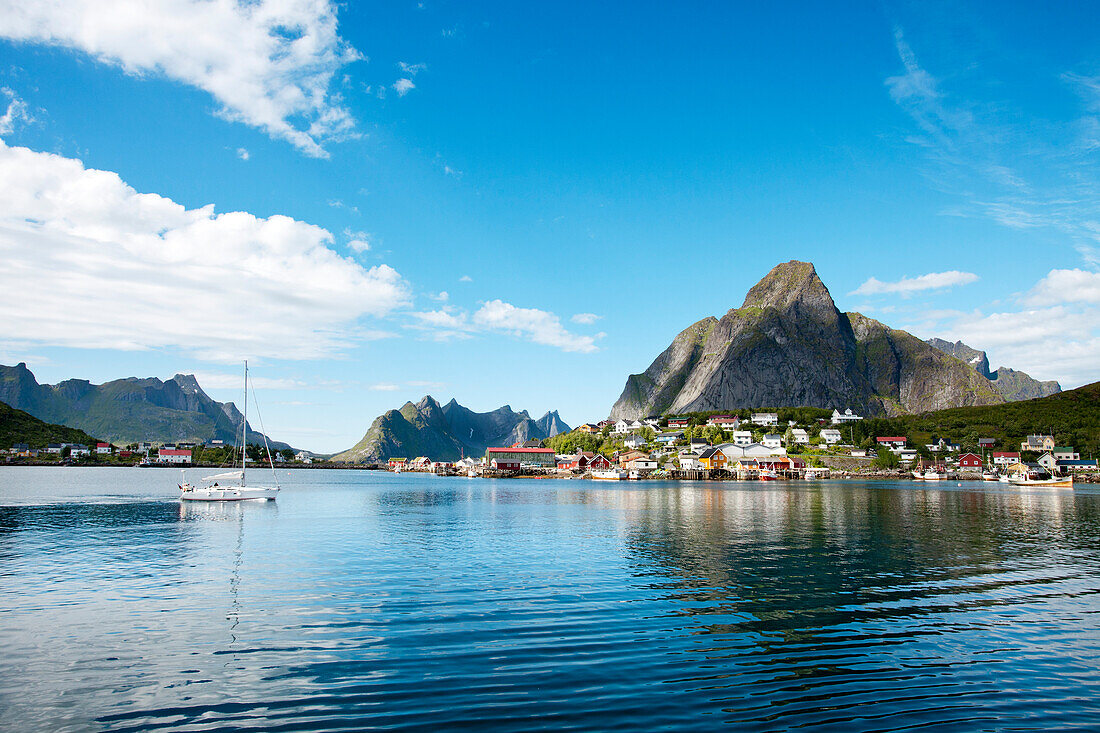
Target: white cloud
x=1048, y=343
x=269, y=63
x=411, y=69
x=358, y=241
x=908, y=285
x=586, y=319
x=465, y=279
x=532, y=324
x=444, y=324
x=403, y=86
x=384, y=387
x=442, y=296
x=91, y=263
x=1066, y=286
x=242, y=153
x=539, y=326
x=16, y=113
x=231, y=380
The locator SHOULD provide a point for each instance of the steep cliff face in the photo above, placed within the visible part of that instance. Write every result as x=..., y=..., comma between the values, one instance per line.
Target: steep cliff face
x=977, y=359
x=789, y=345
x=447, y=432
x=1015, y=386
x=127, y=410
x=1009, y=383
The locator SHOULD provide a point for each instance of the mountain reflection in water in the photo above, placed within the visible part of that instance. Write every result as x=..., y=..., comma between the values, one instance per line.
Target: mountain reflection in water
x=372, y=600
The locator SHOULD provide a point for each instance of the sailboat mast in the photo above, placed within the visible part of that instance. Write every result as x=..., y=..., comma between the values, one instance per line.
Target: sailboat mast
x=244, y=427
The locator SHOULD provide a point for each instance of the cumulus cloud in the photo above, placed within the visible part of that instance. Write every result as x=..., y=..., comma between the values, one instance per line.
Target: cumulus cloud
x=15, y=114
x=91, y=263
x=1066, y=286
x=1059, y=342
x=908, y=285
x=268, y=63
x=585, y=319
x=242, y=153
x=532, y=324
x=465, y=279
x=357, y=241
x=403, y=86
x=539, y=326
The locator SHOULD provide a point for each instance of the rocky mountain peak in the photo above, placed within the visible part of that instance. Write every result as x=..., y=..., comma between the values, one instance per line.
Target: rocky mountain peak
x=791, y=286
x=188, y=383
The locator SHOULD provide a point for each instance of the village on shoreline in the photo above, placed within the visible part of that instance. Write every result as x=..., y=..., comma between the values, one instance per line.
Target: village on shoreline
x=788, y=443
x=792, y=443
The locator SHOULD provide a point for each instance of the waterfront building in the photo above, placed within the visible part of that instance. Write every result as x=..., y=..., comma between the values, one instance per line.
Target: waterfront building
x=179, y=456
x=513, y=459
x=970, y=460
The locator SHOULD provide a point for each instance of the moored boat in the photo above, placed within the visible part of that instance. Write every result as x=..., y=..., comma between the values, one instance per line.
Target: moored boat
x=609, y=475
x=211, y=488
x=1032, y=479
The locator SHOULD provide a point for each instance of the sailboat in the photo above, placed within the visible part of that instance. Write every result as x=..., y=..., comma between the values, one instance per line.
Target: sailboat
x=235, y=486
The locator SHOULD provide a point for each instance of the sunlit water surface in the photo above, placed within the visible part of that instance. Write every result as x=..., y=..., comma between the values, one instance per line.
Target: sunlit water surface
x=363, y=599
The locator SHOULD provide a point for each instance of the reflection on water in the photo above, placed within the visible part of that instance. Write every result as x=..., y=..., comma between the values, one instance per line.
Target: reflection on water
x=373, y=600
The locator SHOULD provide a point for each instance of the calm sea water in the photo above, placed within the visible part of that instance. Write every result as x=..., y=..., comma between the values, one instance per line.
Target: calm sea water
x=369, y=600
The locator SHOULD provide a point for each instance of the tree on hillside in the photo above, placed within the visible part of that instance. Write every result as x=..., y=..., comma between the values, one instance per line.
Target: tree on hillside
x=886, y=459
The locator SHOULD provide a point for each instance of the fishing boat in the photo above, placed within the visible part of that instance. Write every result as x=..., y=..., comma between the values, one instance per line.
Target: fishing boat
x=1031, y=478
x=989, y=476
x=767, y=475
x=236, y=486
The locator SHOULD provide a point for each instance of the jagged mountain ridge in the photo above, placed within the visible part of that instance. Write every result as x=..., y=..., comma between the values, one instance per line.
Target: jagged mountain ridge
x=128, y=410
x=447, y=432
x=788, y=345
x=1011, y=384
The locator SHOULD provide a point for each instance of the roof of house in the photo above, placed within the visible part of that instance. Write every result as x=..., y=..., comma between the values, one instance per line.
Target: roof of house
x=893, y=439
x=1006, y=454
x=1077, y=462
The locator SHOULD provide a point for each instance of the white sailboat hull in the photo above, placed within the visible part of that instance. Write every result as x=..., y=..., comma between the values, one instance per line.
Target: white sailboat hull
x=226, y=493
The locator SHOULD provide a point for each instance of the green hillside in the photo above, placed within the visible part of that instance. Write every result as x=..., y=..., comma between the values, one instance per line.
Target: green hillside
x=1072, y=417
x=17, y=426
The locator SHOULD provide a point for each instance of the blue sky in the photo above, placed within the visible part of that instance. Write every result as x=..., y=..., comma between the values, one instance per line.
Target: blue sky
x=512, y=204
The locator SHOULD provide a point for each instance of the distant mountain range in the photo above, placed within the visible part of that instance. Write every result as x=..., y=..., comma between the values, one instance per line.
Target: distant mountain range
x=447, y=432
x=1012, y=385
x=128, y=410
x=788, y=346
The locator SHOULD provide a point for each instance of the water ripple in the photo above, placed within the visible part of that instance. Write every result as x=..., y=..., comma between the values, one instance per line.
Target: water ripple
x=411, y=602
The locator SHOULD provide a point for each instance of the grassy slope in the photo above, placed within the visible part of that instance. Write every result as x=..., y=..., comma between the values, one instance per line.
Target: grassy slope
x=17, y=426
x=1073, y=418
